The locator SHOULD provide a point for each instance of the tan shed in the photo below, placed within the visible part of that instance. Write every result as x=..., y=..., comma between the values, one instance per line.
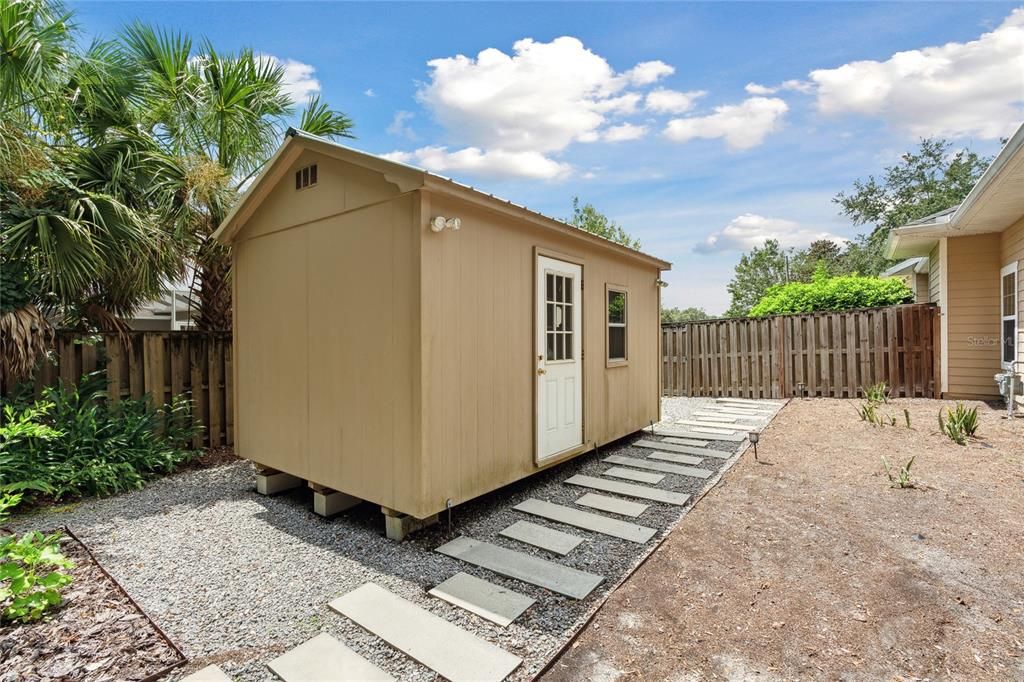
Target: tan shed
x=413, y=342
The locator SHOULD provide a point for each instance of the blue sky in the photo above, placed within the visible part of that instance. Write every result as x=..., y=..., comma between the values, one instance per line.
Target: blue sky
x=702, y=128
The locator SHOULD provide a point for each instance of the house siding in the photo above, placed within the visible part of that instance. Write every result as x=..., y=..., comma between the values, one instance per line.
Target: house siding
x=972, y=315
x=1012, y=249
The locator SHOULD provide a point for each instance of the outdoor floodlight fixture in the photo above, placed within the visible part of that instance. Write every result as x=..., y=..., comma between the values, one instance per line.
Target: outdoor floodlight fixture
x=439, y=223
x=661, y=283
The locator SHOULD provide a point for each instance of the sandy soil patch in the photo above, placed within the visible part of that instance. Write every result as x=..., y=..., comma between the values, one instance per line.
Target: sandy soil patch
x=811, y=565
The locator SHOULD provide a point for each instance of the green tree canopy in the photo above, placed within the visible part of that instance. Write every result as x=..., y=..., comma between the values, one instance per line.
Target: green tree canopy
x=755, y=274
x=588, y=218
x=683, y=315
x=926, y=180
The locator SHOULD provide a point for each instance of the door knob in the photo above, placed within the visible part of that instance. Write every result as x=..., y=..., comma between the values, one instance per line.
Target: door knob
x=541, y=370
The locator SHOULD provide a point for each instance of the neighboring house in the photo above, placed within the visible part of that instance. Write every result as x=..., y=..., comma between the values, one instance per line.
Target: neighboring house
x=975, y=266
x=915, y=274
x=408, y=340
x=171, y=312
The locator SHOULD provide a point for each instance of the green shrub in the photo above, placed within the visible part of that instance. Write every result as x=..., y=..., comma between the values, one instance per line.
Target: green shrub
x=75, y=442
x=831, y=293
x=960, y=423
x=31, y=578
x=877, y=393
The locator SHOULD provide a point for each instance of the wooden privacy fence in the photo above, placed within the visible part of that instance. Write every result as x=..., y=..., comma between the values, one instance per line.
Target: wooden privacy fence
x=161, y=364
x=821, y=354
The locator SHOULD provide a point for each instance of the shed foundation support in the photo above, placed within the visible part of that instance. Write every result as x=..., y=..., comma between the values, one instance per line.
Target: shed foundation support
x=272, y=482
x=328, y=502
x=398, y=525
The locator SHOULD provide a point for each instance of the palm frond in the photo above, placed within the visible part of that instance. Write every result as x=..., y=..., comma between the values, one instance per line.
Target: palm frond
x=320, y=119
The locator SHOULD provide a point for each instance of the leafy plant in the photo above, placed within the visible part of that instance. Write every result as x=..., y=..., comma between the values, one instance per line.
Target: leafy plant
x=869, y=412
x=906, y=415
x=31, y=578
x=901, y=479
x=960, y=424
x=831, y=293
x=75, y=442
x=877, y=393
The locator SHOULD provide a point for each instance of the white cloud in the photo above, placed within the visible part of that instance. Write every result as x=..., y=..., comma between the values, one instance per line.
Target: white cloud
x=513, y=112
x=957, y=89
x=624, y=132
x=400, y=125
x=494, y=163
x=792, y=84
x=299, y=83
x=746, y=231
x=758, y=89
x=369, y=92
x=646, y=73
x=743, y=125
x=664, y=101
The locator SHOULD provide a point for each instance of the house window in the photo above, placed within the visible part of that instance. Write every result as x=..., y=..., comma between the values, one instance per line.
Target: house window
x=617, y=318
x=558, y=329
x=305, y=177
x=1008, y=276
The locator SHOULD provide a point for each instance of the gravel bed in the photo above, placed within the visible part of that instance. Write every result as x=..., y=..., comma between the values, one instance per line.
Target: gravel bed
x=235, y=577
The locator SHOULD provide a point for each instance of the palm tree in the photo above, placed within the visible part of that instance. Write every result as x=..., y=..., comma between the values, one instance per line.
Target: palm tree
x=217, y=119
x=77, y=240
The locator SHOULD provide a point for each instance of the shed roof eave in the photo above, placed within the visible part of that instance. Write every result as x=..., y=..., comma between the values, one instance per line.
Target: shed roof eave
x=442, y=185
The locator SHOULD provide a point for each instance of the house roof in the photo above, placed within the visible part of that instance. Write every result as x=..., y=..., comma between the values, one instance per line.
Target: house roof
x=910, y=265
x=994, y=203
x=407, y=178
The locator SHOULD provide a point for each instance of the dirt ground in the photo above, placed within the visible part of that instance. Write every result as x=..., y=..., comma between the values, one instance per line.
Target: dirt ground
x=810, y=565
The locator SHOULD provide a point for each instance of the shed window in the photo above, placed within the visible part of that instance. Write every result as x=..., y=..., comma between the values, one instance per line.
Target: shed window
x=305, y=177
x=617, y=317
x=1009, y=307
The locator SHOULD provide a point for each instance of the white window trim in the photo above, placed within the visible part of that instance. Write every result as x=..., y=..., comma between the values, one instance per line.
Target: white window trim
x=1010, y=269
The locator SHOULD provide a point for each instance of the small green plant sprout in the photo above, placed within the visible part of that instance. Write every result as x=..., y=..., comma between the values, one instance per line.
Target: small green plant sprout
x=900, y=479
x=960, y=423
x=869, y=413
x=906, y=415
x=31, y=576
x=877, y=393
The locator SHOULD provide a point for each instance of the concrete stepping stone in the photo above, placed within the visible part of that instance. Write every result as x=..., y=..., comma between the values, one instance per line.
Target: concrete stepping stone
x=710, y=427
x=530, y=569
x=632, y=475
x=737, y=411
x=668, y=431
x=210, y=673
x=495, y=603
x=629, y=489
x=446, y=649
x=675, y=458
x=694, y=432
x=633, y=461
x=612, y=504
x=695, y=442
x=748, y=402
x=587, y=521
x=712, y=417
x=700, y=452
x=325, y=658
x=541, y=536
x=659, y=466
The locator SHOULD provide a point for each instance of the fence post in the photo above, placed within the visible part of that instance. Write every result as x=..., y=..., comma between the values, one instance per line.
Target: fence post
x=780, y=355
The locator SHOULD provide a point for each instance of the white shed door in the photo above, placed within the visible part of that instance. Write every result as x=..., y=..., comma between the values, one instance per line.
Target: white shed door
x=559, y=357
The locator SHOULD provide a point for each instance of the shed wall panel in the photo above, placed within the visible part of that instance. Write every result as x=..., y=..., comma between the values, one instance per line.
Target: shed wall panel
x=478, y=348
x=1012, y=249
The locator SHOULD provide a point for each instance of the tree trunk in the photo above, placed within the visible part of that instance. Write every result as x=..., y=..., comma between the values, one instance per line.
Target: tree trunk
x=214, y=294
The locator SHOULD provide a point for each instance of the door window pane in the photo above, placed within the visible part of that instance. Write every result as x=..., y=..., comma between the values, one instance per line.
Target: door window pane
x=1009, y=338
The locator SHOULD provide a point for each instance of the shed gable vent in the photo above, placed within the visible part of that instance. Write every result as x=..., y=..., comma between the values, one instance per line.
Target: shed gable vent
x=305, y=177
